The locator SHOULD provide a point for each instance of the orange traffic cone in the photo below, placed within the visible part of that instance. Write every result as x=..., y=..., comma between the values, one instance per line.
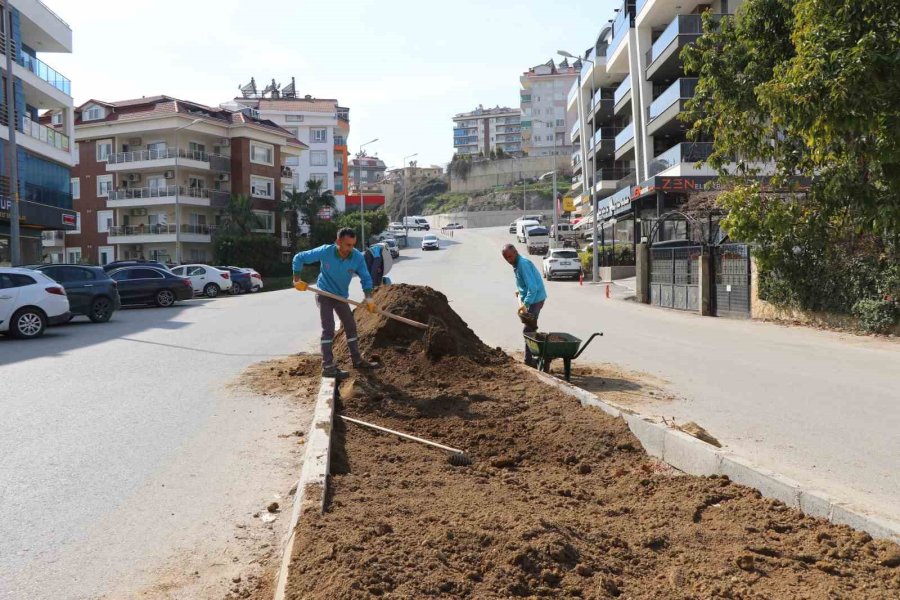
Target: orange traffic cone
x=607, y=290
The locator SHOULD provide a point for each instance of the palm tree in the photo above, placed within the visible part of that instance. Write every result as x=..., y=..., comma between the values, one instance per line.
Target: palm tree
x=308, y=204
x=239, y=216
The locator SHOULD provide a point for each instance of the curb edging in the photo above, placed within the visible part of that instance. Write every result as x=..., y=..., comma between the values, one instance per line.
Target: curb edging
x=313, y=482
x=695, y=457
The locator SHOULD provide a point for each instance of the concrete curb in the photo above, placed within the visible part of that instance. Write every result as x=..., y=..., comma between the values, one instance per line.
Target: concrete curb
x=313, y=481
x=695, y=457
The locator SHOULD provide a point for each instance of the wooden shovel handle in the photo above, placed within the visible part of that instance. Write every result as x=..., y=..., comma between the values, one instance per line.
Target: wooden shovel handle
x=313, y=288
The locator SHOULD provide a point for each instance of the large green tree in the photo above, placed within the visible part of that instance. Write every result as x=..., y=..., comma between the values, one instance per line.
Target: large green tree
x=238, y=216
x=812, y=87
x=309, y=204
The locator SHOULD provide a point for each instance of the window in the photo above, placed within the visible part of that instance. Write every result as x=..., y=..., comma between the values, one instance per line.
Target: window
x=560, y=122
x=71, y=274
x=104, y=220
x=77, y=153
x=75, y=188
x=158, y=147
x=94, y=113
x=294, y=118
x=262, y=187
x=77, y=223
x=262, y=154
x=73, y=255
x=104, y=149
x=196, y=271
x=294, y=131
x=144, y=274
x=323, y=177
x=292, y=161
x=14, y=280
x=266, y=220
x=318, y=135
x=318, y=158
x=104, y=185
x=57, y=119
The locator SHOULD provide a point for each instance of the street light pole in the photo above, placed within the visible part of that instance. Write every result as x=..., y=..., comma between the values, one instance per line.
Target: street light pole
x=595, y=270
x=555, y=205
x=15, y=242
x=178, y=193
x=406, y=193
x=362, y=199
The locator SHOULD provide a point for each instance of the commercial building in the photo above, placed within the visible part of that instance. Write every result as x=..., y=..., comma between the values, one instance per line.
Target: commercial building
x=486, y=129
x=44, y=154
x=631, y=152
x=154, y=177
x=321, y=123
x=545, y=121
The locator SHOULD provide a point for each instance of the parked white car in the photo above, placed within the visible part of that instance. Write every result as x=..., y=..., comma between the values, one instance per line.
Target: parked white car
x=430, y=242
x=205, y=279
x=255, y=277
x=562, y=263
x=30, y=302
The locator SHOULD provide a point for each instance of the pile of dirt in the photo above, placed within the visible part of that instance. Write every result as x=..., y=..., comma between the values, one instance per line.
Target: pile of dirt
x=561, y=500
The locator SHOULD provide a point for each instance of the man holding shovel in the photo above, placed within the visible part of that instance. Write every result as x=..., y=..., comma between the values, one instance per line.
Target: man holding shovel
x=530, y=291
x=338, y=263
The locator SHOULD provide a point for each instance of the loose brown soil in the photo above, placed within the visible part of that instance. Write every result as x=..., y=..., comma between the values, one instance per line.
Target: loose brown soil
x=561, y=500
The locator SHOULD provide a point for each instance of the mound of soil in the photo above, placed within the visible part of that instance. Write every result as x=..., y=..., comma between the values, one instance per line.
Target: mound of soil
x=561, y=501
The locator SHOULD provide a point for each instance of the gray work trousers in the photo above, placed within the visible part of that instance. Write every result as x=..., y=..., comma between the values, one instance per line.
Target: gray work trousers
x=327, y=308
x=534, y=309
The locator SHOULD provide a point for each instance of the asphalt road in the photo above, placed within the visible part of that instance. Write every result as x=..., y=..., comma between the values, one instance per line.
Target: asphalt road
x=820, y=407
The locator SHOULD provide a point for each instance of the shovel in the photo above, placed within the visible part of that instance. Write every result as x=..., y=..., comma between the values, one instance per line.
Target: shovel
x=316, y=290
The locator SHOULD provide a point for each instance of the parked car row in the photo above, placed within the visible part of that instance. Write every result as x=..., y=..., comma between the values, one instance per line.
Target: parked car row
x=37, y=296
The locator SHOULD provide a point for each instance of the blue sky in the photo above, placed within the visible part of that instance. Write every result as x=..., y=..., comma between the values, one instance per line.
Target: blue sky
x=403, y=67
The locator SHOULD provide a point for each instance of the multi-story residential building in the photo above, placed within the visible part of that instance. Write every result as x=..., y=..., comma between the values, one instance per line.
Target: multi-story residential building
x=321, y=123
x=486, y=129
x=154, y=177
x=44, y=155
x=637, y=161
x=545, y=121
x=414, y=172
x=367, y=172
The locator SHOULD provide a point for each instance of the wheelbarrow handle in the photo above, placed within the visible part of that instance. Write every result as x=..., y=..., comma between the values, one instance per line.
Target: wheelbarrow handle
x=577, y=354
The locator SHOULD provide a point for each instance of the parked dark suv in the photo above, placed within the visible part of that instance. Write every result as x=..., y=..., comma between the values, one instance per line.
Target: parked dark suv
x=90, y=290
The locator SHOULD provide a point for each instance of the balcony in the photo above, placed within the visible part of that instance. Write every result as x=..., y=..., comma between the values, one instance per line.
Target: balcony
x=167, y=195
x=576, y=162
x=602, y=104
x=664, y=56
x=53, y=238
x=573, y=92
x=340, y=140
x=45, y=134
x=165, y=158
x=45, y=72
x=622, y=95
x=573, y=133
x=662, y=112
x=685, y=152
x=603, y=140
x=287, y=173
x=620, y=31
x=624, y=142
x=150, y=234
x=610, y=179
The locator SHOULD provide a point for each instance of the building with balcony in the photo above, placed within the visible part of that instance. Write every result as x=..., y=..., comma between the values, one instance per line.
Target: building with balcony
x=321, y=123
x=486, y=129
x=367, y=173
x=545, y=121
x=636, y=158
x=154, y=176
x=44, y=153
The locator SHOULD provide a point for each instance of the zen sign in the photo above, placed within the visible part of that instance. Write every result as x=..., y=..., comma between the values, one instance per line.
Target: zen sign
x=68, y=219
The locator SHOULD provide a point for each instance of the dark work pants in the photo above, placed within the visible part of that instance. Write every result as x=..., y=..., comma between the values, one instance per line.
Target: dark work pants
x=327, y=308
x=534, y=309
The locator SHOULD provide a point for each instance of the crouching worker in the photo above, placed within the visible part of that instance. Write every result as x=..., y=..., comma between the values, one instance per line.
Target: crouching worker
x=338, y=263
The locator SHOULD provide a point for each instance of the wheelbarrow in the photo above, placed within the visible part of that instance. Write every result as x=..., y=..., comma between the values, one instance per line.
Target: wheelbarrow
x=548, y=346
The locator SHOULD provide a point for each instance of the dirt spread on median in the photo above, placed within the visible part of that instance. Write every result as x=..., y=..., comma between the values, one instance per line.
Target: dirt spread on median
x=561, y=501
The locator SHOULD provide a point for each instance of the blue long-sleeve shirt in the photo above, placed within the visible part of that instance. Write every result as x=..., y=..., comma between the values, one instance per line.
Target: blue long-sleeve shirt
x=529, y=282
x=335, y=273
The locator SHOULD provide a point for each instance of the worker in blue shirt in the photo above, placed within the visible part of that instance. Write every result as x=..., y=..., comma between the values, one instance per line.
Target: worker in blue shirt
x=530, y=291
x=338, y=262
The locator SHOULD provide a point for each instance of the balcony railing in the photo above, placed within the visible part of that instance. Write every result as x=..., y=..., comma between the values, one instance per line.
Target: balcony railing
x=287, y=172
x=45, y=134
x=45, y=72
x=624, y=136
x=691, y=25
x=620, y=29
x=681, y=89
x=53, y=238
x=685, y=152
x=169, y=191
x=605, y=133
x=613, y=173
x=623, y=89
x=601, y=95
x=639, y=6
x=145, y=155
x=572, y=92
x=168, y=229
x=340, y=140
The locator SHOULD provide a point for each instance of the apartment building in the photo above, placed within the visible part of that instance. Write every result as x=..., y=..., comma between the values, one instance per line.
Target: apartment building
x=545, y=121
x=321, y=123
x=367, y=172
x=631, y=151
x=154, y=176
x=486, y=129
x=414, y=172
x=44, y=154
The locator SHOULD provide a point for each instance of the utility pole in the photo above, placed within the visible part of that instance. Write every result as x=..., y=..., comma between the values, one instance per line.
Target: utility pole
x=362, y=200
x=15, y=242
x=555, y=229
x=406, y=195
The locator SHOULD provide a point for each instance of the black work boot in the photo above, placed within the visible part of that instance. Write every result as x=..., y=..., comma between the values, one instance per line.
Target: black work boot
x=332, y=372
x=364, y=364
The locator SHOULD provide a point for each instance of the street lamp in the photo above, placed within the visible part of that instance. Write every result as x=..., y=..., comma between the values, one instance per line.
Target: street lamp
x=555, y=207
x=362, y=202
x=178, y=193
x=595, y=270
x=406, y=193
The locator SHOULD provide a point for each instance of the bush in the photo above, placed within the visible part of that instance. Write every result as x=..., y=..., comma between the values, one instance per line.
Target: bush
x=876, y=316
x=260, y=251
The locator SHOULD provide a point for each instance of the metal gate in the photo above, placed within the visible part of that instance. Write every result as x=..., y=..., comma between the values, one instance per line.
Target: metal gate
x=731, y=288
x=675, y=277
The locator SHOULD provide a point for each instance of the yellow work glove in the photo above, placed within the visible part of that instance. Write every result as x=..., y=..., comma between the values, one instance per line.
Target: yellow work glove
x=370, y=305
x=300, y=285
x=522, y=310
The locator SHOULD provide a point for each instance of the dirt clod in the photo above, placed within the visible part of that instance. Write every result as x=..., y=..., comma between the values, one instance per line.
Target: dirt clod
x=273, y=507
